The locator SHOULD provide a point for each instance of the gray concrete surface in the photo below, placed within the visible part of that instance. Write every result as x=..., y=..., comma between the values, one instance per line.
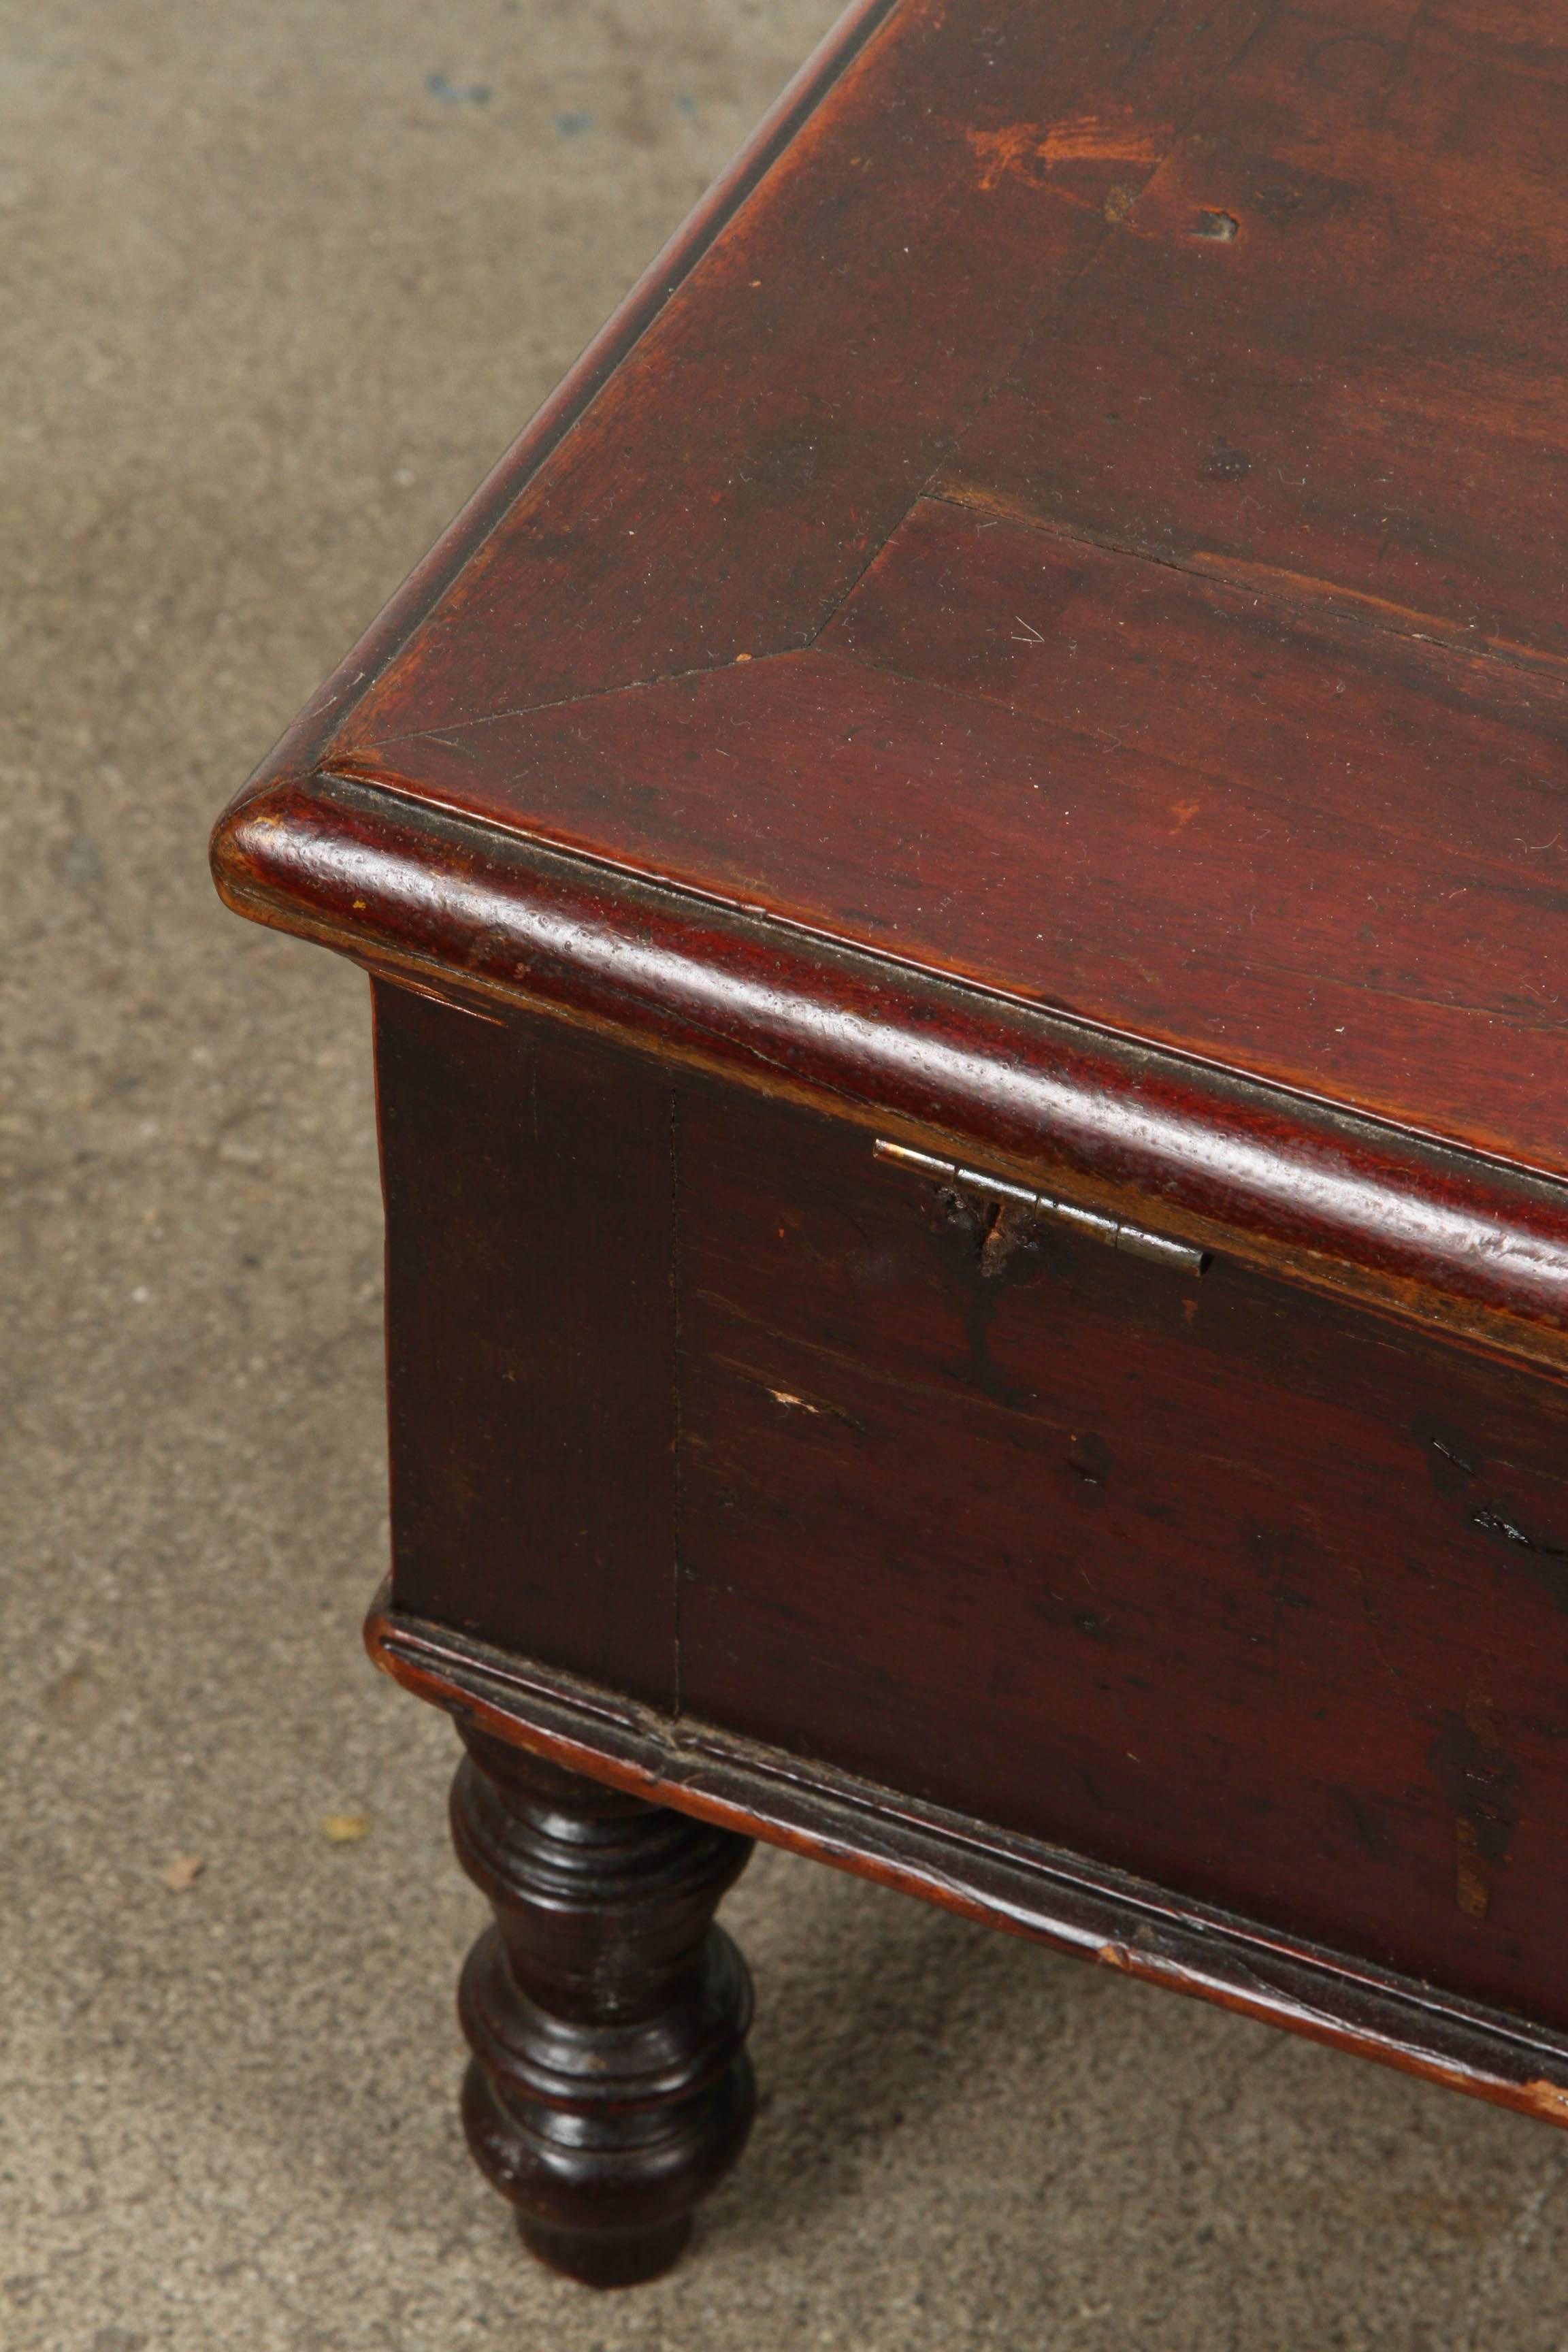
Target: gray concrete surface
x=273, y=299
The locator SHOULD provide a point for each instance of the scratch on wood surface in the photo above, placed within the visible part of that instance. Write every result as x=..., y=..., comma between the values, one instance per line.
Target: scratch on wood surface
x=1029, y=150
x=821, y=1408
x=800, y=1403
x=1479, y=1779
x=1472, y=1890
x=1301, y=591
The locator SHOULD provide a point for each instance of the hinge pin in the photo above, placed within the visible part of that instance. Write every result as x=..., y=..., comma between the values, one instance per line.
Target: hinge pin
x=1133, y=1241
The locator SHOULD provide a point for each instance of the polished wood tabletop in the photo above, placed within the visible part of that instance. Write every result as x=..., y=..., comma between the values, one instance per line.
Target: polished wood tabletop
x=962, y=853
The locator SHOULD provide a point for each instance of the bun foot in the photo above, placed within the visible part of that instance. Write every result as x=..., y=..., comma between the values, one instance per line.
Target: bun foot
x=610, y=2088
x=608, y=2257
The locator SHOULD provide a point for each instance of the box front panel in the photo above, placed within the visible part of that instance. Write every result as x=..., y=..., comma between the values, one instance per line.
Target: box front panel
x=1233, y=1586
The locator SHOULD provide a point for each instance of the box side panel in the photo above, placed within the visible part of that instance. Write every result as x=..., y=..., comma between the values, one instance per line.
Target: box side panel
x=530, y=1340
x=1256, y=1595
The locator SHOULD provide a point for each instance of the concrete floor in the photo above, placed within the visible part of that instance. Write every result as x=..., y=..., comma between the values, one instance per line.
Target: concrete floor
x=279, y=283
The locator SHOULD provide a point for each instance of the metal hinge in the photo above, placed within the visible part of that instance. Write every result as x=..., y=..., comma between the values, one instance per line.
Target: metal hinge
x=1135, y=1241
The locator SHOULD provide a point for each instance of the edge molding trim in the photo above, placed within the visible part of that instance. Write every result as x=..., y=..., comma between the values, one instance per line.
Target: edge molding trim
x=1006, y=1881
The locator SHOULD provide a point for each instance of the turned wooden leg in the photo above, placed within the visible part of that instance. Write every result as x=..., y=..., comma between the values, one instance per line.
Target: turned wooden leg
x=609, y=2088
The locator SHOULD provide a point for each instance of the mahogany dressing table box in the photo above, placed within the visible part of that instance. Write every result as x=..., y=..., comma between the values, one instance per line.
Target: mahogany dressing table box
x=961, y=857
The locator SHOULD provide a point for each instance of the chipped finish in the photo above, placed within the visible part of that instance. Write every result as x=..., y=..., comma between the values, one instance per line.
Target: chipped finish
x=1480, y=1781
x=758, y=400
x=770, y=504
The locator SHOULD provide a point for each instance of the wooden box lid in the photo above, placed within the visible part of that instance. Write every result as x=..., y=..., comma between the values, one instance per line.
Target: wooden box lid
x=1041, y=623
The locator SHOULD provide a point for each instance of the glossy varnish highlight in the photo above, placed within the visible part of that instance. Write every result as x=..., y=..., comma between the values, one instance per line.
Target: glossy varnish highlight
x=1079, y=516
x=1035, y=637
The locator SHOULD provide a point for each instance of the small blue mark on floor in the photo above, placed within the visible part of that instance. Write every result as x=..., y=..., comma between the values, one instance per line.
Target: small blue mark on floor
x=459, y=93
x=685, y=103
x=569, y=125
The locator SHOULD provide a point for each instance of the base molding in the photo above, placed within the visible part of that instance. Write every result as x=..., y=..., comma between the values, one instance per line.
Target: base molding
x=1008, y=1880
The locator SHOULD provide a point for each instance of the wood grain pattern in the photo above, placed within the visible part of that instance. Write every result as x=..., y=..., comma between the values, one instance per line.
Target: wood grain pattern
x=1135, y=796
x=303, y=744
x=1354, y=396
x=776, y=420
x=1253, y=1596
x=1228, y=791
x=1011, y=1882
x=1468, y=1244
x=1253, y=764
x=530, y=1340
x=1038, y=633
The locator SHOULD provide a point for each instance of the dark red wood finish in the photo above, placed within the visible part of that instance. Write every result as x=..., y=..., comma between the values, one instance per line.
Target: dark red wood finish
x=1164, y=803
x=1338, y=343
x=1037, y=634
x=531, y=1331
x=1322, y=736
x=609, y=2088
x=1244, y=1591
x=1339, y=1200
x=997, y=1877
x=775, y=420
x=1248, y=1593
